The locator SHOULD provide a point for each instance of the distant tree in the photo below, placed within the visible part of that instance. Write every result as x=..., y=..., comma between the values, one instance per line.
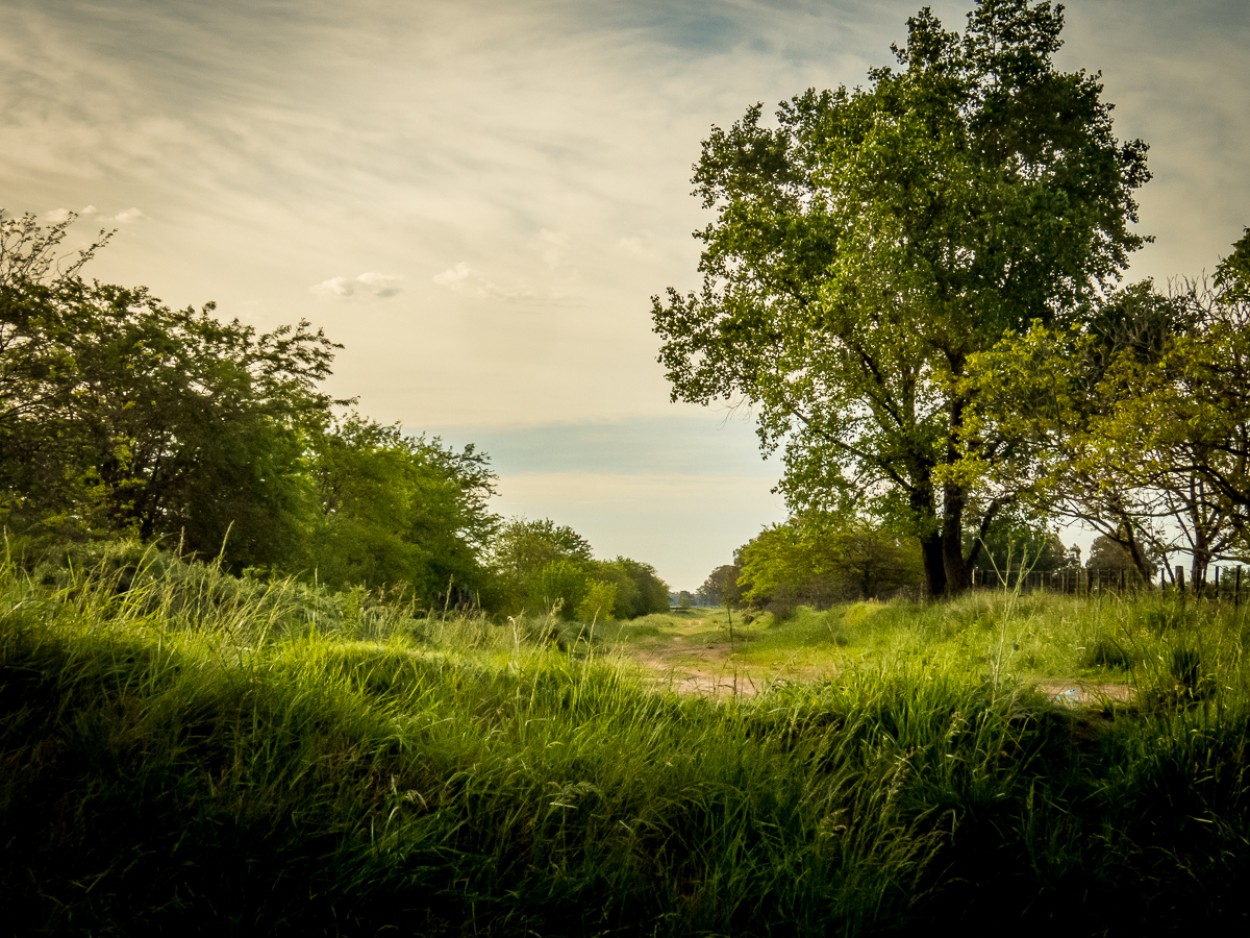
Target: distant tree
x=1018, y=542
x=599, y=602
x=1110, y=555
x=399, y=510
x=817, y=560
x=522, y=547
x=721, y=587
x=639, y=589
x=528, y=558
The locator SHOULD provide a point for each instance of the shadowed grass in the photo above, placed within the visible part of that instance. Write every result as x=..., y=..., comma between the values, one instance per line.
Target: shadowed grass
x=178, y=758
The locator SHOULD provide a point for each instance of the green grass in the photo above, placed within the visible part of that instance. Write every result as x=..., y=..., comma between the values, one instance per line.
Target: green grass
x=181, y=752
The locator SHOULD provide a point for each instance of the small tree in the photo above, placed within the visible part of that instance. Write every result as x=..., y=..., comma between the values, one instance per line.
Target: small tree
x=721, y=587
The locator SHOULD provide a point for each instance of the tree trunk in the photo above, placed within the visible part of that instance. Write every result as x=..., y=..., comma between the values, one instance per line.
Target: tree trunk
x=953, y=540
x=924, y=516
x=932, y=555
x=1202, y=559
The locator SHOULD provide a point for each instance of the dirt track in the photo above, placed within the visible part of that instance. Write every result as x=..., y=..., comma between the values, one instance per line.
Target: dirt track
x=707, y=669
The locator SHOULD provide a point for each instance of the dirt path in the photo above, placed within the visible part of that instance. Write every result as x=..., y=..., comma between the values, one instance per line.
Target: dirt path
x=708, y=669
x=686, y=678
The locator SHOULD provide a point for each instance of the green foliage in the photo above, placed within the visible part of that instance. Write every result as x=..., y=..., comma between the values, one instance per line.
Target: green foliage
x=400, y=510
x=522, y=551
x=1232, y=276
x=1105, y=553
x=877, y=237
x=120, y=416
x=817, y=560
x=639, y=589
x=721, y=587
x=541, y=567
x=1016, y=542
x=118, y=413
x=599, y=602
x=1135, y=421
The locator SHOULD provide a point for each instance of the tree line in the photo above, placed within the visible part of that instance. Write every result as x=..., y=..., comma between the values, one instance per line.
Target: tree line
x=916, y=284
x=121, y=416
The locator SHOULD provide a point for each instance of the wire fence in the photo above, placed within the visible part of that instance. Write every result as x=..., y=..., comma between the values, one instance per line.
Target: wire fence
x=1220, y=583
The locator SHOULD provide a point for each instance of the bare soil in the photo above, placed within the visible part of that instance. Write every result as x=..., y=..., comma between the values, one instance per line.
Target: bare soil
x=708, y=669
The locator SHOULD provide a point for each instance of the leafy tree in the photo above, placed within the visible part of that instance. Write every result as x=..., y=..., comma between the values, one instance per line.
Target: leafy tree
x=1232, y=276
x=1110, y=555
x=721, y=587
x=398, y=510
x=876, y=238
x=818, y=560
x=1138, y=418
x=639, y=589
x=1019, y=542
x=1181, y=424
x=38, y=370
x=535, y=563
x=118, y=413
x=539, y=566
x=1057, y=390
x=562, y=587
x=598, y=603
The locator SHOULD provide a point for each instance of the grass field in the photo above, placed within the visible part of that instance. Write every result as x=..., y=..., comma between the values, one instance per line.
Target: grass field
x=185, y=752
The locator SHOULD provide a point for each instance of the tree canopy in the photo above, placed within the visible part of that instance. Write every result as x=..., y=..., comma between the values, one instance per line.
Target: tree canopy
x=401, y=510
x=122, y=416
x=543, y=567
x=118, y=412
x=817, y=560
x=875, y=238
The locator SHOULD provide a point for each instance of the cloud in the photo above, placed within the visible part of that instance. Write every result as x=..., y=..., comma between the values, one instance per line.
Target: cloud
x=554, y=248
x=370, y=283
x=463, y=279
x=125, y=217
x=639, y=245
x=456, y=277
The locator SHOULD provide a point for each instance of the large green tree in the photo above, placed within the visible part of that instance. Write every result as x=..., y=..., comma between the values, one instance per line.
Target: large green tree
x=121, y=414
x=876, y=237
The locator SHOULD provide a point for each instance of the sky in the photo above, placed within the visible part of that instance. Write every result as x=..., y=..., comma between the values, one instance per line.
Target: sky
x=479, y=197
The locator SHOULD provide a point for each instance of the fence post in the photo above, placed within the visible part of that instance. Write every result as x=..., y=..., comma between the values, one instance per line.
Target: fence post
x=1237, y=588
x=1180, y=580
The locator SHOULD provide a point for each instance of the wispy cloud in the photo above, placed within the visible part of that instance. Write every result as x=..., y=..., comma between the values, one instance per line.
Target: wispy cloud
x=370, y=283
x=125, y=217
x=462, y=278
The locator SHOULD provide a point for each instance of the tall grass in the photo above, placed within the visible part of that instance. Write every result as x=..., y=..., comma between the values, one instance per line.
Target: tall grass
x=180, y=751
